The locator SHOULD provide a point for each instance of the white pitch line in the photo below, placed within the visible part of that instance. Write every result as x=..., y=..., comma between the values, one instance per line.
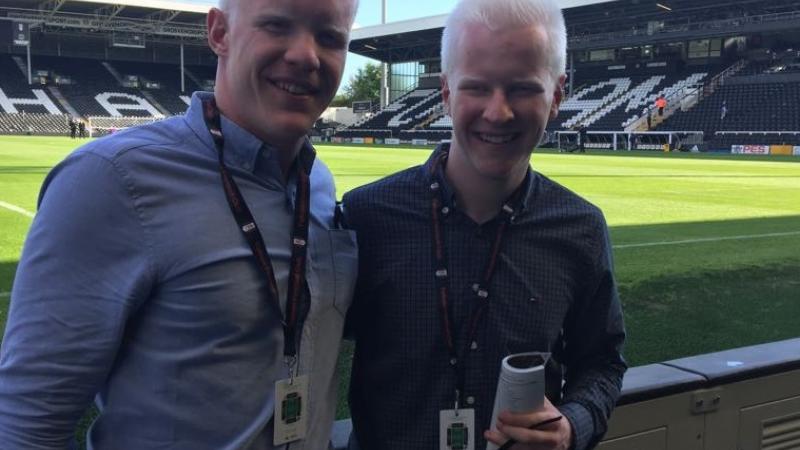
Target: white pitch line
x=16, y=209
x=712, y=239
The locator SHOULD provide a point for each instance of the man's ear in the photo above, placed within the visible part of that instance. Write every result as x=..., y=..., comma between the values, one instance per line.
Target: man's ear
x=558, y=96
x=445, y=93
x=217, y=26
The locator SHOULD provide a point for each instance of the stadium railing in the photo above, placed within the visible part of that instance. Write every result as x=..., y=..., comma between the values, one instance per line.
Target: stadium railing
x=741, y=399
x=100, y=125
x=725, y=139
x=34, y=124
x=629, y=140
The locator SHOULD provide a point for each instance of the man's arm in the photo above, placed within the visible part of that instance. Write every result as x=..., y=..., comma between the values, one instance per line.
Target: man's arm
x=84, y=268
x=349, y=221
x=594, y=333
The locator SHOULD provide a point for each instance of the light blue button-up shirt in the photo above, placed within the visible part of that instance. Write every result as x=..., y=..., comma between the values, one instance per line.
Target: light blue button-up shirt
x=137, y=288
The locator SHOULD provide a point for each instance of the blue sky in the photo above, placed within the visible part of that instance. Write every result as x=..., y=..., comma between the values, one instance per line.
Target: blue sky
x=369, y=13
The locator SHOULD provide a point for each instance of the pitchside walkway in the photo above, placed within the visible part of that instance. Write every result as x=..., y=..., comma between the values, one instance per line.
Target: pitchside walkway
x=741, y=399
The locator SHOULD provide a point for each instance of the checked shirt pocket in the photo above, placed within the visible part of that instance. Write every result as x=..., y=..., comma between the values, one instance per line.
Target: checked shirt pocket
x=344, y=253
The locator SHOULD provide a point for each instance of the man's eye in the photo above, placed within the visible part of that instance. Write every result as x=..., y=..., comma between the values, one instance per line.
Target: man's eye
x=474, y=88
x=275, y=26
x=525, y=90
x=331, y=40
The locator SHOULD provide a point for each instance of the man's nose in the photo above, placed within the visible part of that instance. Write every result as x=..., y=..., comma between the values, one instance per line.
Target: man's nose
x=302, y=51
x=498, y=109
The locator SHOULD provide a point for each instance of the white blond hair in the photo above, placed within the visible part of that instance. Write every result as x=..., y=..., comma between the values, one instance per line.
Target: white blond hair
x=225, y=6
x=499, y=14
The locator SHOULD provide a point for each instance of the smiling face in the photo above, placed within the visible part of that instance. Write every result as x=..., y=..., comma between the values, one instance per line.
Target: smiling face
x=280, y=63
x=500, y=94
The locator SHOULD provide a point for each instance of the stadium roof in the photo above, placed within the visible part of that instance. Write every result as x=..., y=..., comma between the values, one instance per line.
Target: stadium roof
x=599, y=24
x=154, y=17
x=414, y=39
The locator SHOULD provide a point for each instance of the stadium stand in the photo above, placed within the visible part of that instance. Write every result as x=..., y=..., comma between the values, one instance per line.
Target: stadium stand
x=699, y=55
x=110, y=94
x=606, y=100
x=631, y=93
x=622, y=55
x=16, y=96
x=158, y=81
x=404, y=113
x=761, y=107
x=92, y=60
x=93, y=89
x=203, y=76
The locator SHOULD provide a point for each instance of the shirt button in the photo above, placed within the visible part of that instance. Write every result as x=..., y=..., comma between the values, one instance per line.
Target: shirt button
x=445, y=210
x=533, y=299
x=474, y=345
x=470, y=400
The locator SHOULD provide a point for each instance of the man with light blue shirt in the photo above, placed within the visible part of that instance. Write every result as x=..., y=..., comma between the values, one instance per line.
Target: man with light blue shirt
x=188, y=275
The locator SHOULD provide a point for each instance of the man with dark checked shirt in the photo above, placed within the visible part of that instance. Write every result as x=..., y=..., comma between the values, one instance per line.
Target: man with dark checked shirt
x=474, y=256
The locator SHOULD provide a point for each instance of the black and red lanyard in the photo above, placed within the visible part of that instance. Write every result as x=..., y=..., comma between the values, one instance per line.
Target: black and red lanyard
x=249, y=228
x=442, y=274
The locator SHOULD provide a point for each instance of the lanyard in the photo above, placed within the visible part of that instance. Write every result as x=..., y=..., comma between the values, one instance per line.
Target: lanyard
x=441, y=273
x=247, y=225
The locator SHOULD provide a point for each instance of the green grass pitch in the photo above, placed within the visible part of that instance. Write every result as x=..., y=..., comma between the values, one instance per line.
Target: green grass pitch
x=707, y=247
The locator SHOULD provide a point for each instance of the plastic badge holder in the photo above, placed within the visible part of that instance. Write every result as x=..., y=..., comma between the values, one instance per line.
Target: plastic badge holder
x=520, y=387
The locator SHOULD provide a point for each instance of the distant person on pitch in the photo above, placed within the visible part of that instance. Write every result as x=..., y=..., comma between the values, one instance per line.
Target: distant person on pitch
x=582, y=137
x=474, y=256
x=188, y=275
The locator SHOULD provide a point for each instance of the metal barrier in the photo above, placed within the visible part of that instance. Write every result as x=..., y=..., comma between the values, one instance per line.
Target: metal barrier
x=628, y=140
x=741, y=399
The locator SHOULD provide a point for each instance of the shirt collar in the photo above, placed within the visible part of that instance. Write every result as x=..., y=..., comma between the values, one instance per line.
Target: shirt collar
x=529, y=184
x=242, y=149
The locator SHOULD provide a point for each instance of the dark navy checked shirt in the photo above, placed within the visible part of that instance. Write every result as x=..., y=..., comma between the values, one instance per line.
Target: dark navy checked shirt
x=553, y=290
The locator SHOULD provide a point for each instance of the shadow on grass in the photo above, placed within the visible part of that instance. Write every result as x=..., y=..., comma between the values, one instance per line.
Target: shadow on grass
x=746, y=229
x=700, y=287
x=676, y=316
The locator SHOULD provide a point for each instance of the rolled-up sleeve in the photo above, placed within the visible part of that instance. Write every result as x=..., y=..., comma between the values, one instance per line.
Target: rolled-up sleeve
x=84, y=269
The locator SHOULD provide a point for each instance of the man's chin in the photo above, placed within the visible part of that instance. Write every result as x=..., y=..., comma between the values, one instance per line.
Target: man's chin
x=501, y=170
x=288, y=130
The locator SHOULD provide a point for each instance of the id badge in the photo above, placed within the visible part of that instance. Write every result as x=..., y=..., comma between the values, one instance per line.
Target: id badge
x=457, y=429
x=291, y=410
